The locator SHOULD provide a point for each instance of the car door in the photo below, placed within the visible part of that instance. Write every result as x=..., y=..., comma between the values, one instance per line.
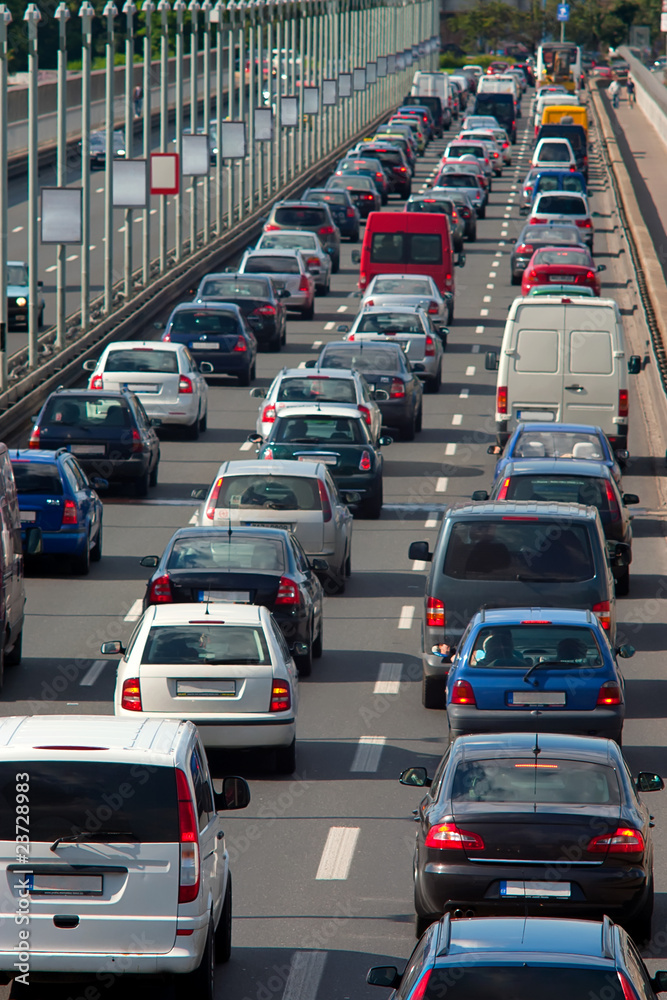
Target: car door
x=342, y=520
x=590, y=387
x=82, y=494
x=311, y=584
x=535, y=370
x=211, y=869
x=147, y=431
x=12, y=544
x=191, y=369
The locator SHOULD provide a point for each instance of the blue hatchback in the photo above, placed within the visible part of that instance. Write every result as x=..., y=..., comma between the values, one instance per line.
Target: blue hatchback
x=559, y=180
x=343, y=210
x=216, y=332
x=582, y=442
x=536, y=669
x=56, y=495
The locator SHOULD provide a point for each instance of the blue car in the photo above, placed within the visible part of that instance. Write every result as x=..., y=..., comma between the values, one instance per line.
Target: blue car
x=56, y=495
x=582, y=442
x=216, y=332
x=343, y=210
x=536, y=669
x=559, y=180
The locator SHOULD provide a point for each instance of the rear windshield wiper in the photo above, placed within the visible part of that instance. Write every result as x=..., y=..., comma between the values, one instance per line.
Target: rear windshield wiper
x=550, y=663
x=86, y=835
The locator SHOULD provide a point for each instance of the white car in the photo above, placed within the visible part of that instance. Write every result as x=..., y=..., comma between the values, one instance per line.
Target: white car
x=165, y=377
x=287, y=269
x=498, y=136
x=318, y=261
x=554, y=153
x=293, y=387
x=225, y=667
x=416, y=290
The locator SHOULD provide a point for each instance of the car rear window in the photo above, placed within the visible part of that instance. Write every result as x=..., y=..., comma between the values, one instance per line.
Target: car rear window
x=92, y=413
x=388, y=323
x=406, y=248
x=448, y=179
x=226, y=554
x=561, y=205
x=363, y=359
x=313, y=389
x=523, y=646
x=68, y=798
x=271, y=265
x=556, y=151
x=466, y=149
x=562, y=489
x=560, y=184
x=289, y=241
x=206, y=644
x=269, y=492
x=319, y=430
x=431, y=205
x=311, y=217
x=236, y=288
x=142, y=359
x=526, y=780
x=516, y=548
x=353, y=181
x=558, y=444
x=333, y=197
x=401, y=286
x=577, y=257
x=549, y=234
x=205, y=321
x=37, y=477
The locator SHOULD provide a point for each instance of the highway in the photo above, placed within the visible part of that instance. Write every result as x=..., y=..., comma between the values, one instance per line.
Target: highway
x=322, y=863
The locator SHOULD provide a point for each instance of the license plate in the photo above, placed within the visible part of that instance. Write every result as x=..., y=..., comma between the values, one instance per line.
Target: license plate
x=204, y=345
x=541, y=415
x=87, y=449
x=65, y=885
x=230, y=596
x=536, y=890
x=537, y=698
x=268, y=524
x=325, y=459
x=205, y=689
x=28, y=515
x=143, y=388
x=560, y=278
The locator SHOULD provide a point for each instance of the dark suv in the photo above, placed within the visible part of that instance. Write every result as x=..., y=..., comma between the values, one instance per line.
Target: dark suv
x=503, y=554
x=314, y=218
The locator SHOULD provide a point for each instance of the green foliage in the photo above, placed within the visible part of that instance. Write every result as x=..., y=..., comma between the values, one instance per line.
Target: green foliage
x=486, y=23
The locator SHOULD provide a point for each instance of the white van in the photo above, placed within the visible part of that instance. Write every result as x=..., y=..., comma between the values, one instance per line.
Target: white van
x=121, y=867
x=433, y=85
x=563, y=359
x=501, y=85
x=541, y=102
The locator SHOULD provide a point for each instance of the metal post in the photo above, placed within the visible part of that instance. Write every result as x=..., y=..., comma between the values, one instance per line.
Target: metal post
x=278, y=91
x=241, y=6
x=257, y=152
x=147, y=9
x=33, y=17
x=206, y=8
x=291, y=54
x=194, y=9
x=129, y=9
x=5, y=19
x=309, y=122
x=231, y=60
x=86, y=13
x=163, y=9
x=219, y=76
x=562, y=31
x=303, y=79
x=62, y=16
x=179, y=9
x=269, y=101
x=251, y=109
x=110, y=11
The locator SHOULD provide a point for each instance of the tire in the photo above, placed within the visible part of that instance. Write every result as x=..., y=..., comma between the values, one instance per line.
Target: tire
x=348, y=565
x=408, y=430
x=192, y=432
x=81, y=564
x=286, y=759
x=152, y=479
x=422, y=924
x=40, y=319
x=639, y=926
x=373, y=507
x=304, y=664
x=223, y=934
x=318, y=644
x=308, y=313
x=420, y=419
x=623, y=584
x=473, y=236
x=481, y=212
x=2, y=666
x=275, y=344
x=336, y=264
x=515, y=279
x=246, y=378
x=354, y=238
x=201, y=982
x=203, y=424
x=96, y=550
x=450, y=314
x=336, y=583
x=13, y=658
x=458, y=246
x=433, y=692
x=141, y=485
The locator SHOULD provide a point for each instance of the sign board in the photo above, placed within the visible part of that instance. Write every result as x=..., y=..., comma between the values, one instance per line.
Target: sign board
x=62, y=215
x=165, y=173
x=195, y=156
x=663, y=22
x=289, y=111
x=640, y=34
x=263, y=124
x=329, y=92
x=311, y=100
x=129, y=183
x=233, y=145
x=563, y=12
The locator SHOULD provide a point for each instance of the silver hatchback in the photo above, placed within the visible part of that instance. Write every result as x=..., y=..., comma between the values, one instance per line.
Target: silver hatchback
x=287, y=269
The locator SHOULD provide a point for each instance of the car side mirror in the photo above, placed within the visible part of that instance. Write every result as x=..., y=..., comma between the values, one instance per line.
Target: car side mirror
x=350, y=496
x=89, y=365
x=255, y=438
x=648, y=782
x=418, y=367
x=258, y=393
x=419, y=551
x=622, y=455
x=626, y=652
x=356, y=257
x=150, y=562
x=284, y=293
x=461, y=260
x=319, y=565
x=342, y=328
x=235, y=794
x=112, y=648
x=155, y=422
x=629, y=499
x=634, y=364
x=494, y=449
x=384, y=442
x=659, y=982
x=491, y=361
x=33, y=541
x=480, y=495
x=158, y=325
x=312, y=363
x=415, y=776
x=601, y=267
x=383, y=975
x=205, y=367
x=300, y=649
x=619, y=553
x=380, y=395
x=98, y=483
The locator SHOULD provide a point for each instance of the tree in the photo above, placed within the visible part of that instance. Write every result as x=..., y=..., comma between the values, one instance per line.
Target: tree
x=486, y=23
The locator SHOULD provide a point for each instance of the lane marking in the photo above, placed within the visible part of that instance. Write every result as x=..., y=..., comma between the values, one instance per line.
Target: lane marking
x=304, y=976
x=479, y=329
x=502, y=243
x=418, y=566
x=17, y=229
x=457, y=419
x=464, y=393
x=450, y=448
x=337, y=854
x=134, y=614
x=441, y=484
x=246, y=446
x=122, y=229
x=329, y=326
x=470, y=371
x=93, y=673
x=54, y=267
x=93, y=247
x=432, y=522
x=73, y=256
x=342, y=309
x=506, y=215
x=193, y=519
x=153, y=211
x=475, y=349
x=316, y=344
x=99, y=190
x=484, y=312
x=406, y=617
x=389, y=677
x=498, y=253
x=369, y=751
x=488, y=297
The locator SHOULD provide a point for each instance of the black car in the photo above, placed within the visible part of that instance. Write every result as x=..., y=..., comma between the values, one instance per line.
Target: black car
x=395, y=165
x=575, y=135
x=97, y=147
x=109, y=433
x=442, y=117
x=362, y=191
x=525, y=824
x=263, y=566
x=260, y=302
x=343, y=209
x=384, y=366
x=466, y=210
x=532, y=237
x=216, y=332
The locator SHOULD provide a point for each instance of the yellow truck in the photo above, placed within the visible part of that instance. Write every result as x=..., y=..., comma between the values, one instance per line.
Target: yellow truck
x=565, y=114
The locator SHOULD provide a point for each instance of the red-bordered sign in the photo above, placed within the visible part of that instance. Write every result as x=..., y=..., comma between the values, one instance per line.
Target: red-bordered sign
x=165, y=173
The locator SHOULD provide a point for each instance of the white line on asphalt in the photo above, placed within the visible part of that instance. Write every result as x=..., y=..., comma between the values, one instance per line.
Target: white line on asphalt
x=484, y=312
x=512, y=194
x=431, y=522
x=342, y=309
x=450, y=448
x=121, y=229
x=304, y=976
x=457, y=419
x=513, y=187
x=73, y=256
x=506, y=216
x=406, y=617
x=316, y=344
x=479, y=329
x=490, y=286
x=139, y=219
x=475, y=349
x=246, y=446
x=441, y=484
x=502, y=242
x=193, y=519
x=498, y=253
x=99, y=190
x=91, y=675
x=134, y=614
x=464, y=393
x=369, y=751
x=17, y=229
x=93, y=247
x=153, y=211
x=470, y=371
x=418, y=566
x=330, y=325
x=389, y=678
x=52, y=268
x=337, y=854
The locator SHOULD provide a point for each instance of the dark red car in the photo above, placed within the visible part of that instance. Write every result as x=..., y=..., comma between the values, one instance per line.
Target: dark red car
x=561, y=266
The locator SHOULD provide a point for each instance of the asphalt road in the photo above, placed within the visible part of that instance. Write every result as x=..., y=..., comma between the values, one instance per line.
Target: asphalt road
x=315, y=908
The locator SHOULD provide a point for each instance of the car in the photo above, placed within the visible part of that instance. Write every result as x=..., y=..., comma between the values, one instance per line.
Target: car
x=412, y=328
x=399, y=140
x=384, y=366
x=246, y=565
x=317, y=260
x=288, y=270
x=366, y=167
x=292, y=388
x=576, y=135
x=465, y=183
x=164, y=376
x=260, y=302
x=298, y=496
x=553, y=153
x=403, y=129
x=553, y=180
x=109, y=432
x=562, y=265
x=458, y=149
x=227, y=669
x=362, y=191
x=414, y=290
x=18, y=294
x=415, y=124
x=522, y=956
x=533, y=236
x=340, y=440
x=581, y=291
x=514, y=823
x=435, y=201
x=395, y=164
x=343, y=210
x=434, y=105
x=464, y=206
x=492, y=149
x=528, y=188
x=511, y=661
x=97, y=147
x=16, y=539
x=561, y=206
x=495, y=68
x=56, y=496
x=581, y=442
x=128, y=845
x=216, y=333
x=479, y=121
x=314, y=218
x=498, y=139
x=422, y=112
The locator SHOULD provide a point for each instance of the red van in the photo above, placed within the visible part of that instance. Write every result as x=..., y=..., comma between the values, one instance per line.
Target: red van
x=409, y=243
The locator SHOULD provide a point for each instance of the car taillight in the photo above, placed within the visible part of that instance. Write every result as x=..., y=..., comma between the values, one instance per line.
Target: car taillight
x=528, y=191
x=96, y=382
x=365, y=464
x=609, y=694
x=429, y=351
x=449, y=837
x=269, y=414
x=268, y=453
x=185, y=385
x=188, y=880
x=34, y=438
x=420, y=989
x=463, y=694
x=622, y=402
x=397, y=389
x=130, y=698
x=433, y=306
x=525, y=248
x=213, y=499
x=160, y=590
x=529, y=276
x=501, y=399
x=435, y=613
x=270, y=228
x=401, y=170
x=350, y=213
x=240, y=344
x=303, y=283
x=590, y=275
x=313, y=262
x=367, y=197
x=583, y=223
x=137, y=443
x=502, y=492
x=624, y=840
x=324, y=500
x=281, y=697
x=329, y=230
x=535, y=221
x=363, y=410
x=69, y=513
x=288, y=592
x=602, y=611
x=614, y=508
x=267, y=310
x=166, y=338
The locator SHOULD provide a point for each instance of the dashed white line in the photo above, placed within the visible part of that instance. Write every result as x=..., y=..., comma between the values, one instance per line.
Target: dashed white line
x=431, y=522
x=498, y=253
x=99, y=190
x=369, y=751
x=54, y=267
x=479, y=329
x=153, y=211
x=73, y=256
x=134, y=614
x=17, y=229
x=484, y=312
x=441, y=484
x=464, y=393
x=475, y=349
x=246, y=446
x=121, y=229
x=330, y=325
x=93, y=247
x=337, y=854
x=450, y=448
x=316, y=344
x=457, y=419
x=470, y=371
x=407, y=616
x=342, y=309
x=418, y=566
x=506, y=215
x=193, y=519
x=488, y=297
x=303, y=980
x=93, y=673
x=389, y=677
x=502, y=242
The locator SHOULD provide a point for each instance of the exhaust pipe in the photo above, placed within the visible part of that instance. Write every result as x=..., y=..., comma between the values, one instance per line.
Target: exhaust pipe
x=457, y=913
x=470, y=913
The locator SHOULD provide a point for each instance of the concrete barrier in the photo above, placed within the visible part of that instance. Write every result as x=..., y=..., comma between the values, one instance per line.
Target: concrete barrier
x=651, y=93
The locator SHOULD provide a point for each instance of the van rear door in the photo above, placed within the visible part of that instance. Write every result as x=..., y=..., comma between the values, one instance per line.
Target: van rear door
x=535, y=368
x=592, y=379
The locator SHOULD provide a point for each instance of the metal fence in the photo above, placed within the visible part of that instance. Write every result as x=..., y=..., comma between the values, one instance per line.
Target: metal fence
x=300, y=77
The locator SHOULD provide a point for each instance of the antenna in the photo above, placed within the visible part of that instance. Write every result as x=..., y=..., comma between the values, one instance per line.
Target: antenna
x=537, y=750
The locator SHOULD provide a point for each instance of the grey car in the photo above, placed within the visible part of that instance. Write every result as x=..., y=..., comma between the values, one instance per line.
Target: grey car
x=315, y=218
x=437, y=201
x=537, y=235
x=317, y=259
x=287, y=269
x=412, y=327
x=415, y=290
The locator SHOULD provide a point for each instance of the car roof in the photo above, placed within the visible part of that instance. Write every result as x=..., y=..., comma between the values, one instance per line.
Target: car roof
x=144, y=345
x=565, y=428
x=277, y=252
x=347, y=373
x=425, y=277
x=516, y=616
x=533, y=509
x=37, y=454
x=494, y=744
x=557, y=466
x=222, y=531
x=561, y=938
x=65, y=736
x=183, y=614
x=316, y=409
x=275, y=467
x=229, y=307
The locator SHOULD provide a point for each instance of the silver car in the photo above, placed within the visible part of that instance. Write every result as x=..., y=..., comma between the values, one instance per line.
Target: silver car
x=528, y=187
x=287, y=269
x=415, y=290
x=297, y=496
x=495, y=150
x=293, y=388
x=424, y=202
x=315, y=256
x=423, y=344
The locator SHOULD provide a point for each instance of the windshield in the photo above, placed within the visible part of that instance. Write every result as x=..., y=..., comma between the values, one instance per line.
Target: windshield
x=317, y=389
x=401, y=286
x=291, y=217
x=544, y=781
x=562, y=489
x=207, y=321
x=388, y=322
x=548, y=981
x=258, y=264
x=199, y=645
x=559, y=444
x=366, y=359
x=272, y=492
x=319, y=429
x=522, y=646
x=236, y=288
x=142, y=359
x=222, y=554
x=37, y=477
x=560, y=205
x=578, y=258
x=17, y=274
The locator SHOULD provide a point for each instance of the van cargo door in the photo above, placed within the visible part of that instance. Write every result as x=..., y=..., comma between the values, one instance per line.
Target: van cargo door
x=591, y=385
x=535, y=375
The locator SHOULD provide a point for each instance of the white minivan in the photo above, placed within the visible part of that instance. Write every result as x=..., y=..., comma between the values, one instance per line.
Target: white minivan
x=563, y=360
x=112, y=851
x=433, y=85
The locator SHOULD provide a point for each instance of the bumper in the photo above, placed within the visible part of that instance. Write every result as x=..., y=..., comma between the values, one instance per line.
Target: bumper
x=395, y=413
x=604, y=722
x=120, y=470
x=98, y=966
x=17, y=314
x=297, y=300
x=181, y=412
x=225, y=364
x=240, y=732
x=61, y=542
x=367, y=486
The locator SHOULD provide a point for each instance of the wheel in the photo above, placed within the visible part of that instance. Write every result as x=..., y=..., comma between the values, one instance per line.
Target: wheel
x=13, y=658
x=223, y=934
x=96, y=550
x=308, y=313
x=408, y=430
x=458, y=246
x=473, y=236
x=515, y=278
x=354, y=238
x=201, y=982
x=336, y=582
x=203, y=423
x=433, y=692
x=286, y=759
x=348, y=565
x=192, y=432
x=450, y=314
x=639, y=926
x=420, y=418
x=2, y=666
x=246, y=378
x=152, y=480
x=481, y=212
x=373, y=508
x=81, y=564
x=304, y=664
x=623, y=584
x=318, y=644
x=336, y=264
x=141, y=485
x=433, y=385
